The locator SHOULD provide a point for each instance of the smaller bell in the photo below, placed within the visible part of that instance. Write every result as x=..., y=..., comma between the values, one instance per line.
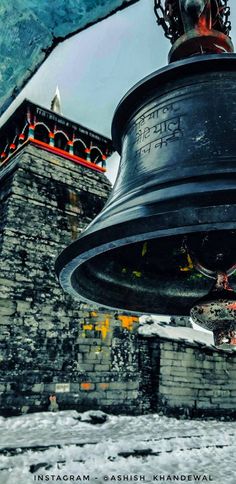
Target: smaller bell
x=217, y=312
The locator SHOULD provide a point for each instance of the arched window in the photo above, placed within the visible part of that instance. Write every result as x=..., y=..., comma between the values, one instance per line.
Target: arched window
x=41, y=133
x=79, y=148
x=60, y=141
x=96, y=155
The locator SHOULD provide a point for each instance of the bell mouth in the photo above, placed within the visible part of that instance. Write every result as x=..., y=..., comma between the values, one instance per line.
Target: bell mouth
x=177, y=177
x=156, y=275
x=217, y=312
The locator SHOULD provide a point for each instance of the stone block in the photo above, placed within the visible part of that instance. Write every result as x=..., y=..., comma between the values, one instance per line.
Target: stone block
x=84, y=349
x=206, y=393
x=178, y=391
x=88, y=341
x=86, y=367
x=132, y=385
x=75, y=387
x=222, y=401
x=5, y=282
x=94, y=355
x=166, y=370
x=98, y=367
x=7, y=308
x=178, y=402
x=227, y=405
x=102, y=386
x=49, y=387
x=116, y=394
x=23, y=306
x=231, y=375
x=105, y=357
x=132, y=395
x=206, y=405
x=117, y=385
x=38, y=388
x=169, y=355
x=98, y=396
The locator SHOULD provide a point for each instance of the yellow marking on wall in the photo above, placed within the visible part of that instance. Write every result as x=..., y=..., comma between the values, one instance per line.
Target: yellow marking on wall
x=93, y=314
x=104, y=327
x=144, y=249
x=98, y=350
x=189, y=267
x=89, y=327
x=137, y=273
x=73, y=198
x=127, y=322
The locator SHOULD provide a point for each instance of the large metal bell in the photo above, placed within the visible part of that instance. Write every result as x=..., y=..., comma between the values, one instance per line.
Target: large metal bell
x=170, y=224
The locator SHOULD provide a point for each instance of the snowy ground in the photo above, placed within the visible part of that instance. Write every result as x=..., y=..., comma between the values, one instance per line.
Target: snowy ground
x=58, y=447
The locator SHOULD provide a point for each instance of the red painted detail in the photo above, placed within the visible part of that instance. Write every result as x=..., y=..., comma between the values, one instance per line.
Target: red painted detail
x=22, y=136
x=51, y=135
x=70, y=143
x=87, y=150
x=68, y=156
x=3, y=154
x=232, y=306
x=104, y=157
x=86, y=386
x=31, y=126
x=12, y=146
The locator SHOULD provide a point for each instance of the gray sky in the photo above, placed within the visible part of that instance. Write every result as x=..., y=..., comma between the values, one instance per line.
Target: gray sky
x=95, y=68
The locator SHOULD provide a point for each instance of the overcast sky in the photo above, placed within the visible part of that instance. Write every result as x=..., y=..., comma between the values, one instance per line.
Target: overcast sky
x=95, y=68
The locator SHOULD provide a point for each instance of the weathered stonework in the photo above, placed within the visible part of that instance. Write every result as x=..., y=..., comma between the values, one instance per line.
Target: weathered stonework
x=46, y=338
x=183, y=378
x=50, y=344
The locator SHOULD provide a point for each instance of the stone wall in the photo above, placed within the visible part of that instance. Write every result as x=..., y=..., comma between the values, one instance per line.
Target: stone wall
x=46, y=338
x=188, y=378
x=49, y=343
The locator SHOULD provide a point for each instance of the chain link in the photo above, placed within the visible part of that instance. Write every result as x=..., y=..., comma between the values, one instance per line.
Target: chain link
x=169, y=17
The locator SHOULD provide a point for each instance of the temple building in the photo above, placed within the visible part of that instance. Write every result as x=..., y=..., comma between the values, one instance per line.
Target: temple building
x=54, y=348
x=53, y=184
x=54, y=133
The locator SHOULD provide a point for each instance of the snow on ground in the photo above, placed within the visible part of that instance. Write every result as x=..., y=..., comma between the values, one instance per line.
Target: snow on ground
x=59, y=447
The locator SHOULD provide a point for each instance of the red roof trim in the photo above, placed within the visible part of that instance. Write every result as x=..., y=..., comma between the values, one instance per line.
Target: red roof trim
x=68, y=156
x=57, y=151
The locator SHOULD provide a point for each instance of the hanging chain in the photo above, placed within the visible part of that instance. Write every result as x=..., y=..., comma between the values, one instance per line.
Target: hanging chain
x=169, y=17
x=223, y=16
x=160, y=15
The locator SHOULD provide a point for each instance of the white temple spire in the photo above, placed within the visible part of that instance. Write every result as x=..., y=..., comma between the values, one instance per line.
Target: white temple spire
x=56, y=102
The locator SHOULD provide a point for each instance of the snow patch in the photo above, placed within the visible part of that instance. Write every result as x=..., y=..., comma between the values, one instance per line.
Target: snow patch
x=152, y=325
x=124, y=445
